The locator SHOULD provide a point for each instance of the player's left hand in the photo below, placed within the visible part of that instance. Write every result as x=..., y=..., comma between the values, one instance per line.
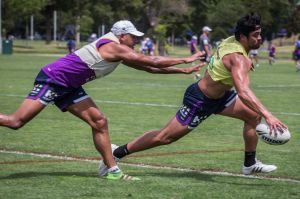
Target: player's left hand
x=197, y=56
x=195, y=68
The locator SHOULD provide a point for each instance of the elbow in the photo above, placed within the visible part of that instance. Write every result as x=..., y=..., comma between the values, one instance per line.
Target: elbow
x=156, y=63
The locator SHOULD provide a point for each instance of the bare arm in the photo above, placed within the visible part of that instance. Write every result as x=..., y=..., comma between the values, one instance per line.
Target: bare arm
x=240, y=67
x=118, y=52
x=170, y=70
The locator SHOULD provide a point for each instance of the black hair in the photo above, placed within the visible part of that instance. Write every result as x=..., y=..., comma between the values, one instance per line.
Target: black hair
x=247, y=24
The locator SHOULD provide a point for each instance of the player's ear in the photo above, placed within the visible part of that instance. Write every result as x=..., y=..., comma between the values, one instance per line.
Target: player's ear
x=243, y=37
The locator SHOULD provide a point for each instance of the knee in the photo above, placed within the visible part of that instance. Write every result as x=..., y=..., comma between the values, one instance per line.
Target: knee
x=253, y=120
x=14, y=122
x=99, y=123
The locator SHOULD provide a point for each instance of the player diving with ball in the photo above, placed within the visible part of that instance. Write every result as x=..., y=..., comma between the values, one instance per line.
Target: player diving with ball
x=229, y=68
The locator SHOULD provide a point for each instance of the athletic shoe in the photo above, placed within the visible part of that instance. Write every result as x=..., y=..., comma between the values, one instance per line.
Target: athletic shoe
x=103, y=169
x=258, y=167
x=119, y=175
x=197, y=76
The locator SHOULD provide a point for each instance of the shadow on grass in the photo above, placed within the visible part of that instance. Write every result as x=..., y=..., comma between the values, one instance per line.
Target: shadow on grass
x=169, y=175
x=240, y=181
x=37, y=174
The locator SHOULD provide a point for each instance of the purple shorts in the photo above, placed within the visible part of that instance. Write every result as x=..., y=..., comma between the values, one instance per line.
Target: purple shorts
x=48, y=91
x=197, y=107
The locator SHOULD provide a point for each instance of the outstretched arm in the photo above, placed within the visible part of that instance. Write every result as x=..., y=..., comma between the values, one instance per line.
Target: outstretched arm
x=240, y=67
x=171, y=69
x=118, y=52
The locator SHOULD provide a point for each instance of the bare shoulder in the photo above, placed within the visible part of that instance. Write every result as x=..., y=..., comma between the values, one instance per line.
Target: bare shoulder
x=114, y=51
x=236, y=60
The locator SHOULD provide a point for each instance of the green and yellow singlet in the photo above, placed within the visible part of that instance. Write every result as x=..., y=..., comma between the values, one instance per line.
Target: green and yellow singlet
x=216, y=68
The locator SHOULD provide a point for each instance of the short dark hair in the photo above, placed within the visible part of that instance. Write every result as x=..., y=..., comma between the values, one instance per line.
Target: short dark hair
x=247, y=24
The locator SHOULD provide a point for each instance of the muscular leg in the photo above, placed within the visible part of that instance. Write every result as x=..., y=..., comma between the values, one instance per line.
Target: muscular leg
x=89, y=112
x=27, y=110
x=170, y=133
x=251, y=120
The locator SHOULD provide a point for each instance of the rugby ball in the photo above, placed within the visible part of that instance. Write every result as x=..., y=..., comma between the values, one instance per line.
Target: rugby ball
x=276, y=138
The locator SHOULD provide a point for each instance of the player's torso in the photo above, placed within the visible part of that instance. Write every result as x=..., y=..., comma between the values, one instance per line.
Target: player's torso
x=216, y=69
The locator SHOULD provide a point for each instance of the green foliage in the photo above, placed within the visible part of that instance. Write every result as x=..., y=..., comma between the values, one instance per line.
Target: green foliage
x=223, y=16
x=179, y=16
x=161, y=30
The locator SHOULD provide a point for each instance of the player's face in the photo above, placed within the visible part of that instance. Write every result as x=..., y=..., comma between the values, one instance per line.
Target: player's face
x=254, y=39
x=130, y=40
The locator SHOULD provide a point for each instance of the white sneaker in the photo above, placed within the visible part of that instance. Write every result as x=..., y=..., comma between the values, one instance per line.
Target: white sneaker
x=103, y=169
x=197, y=77
x=258, y=167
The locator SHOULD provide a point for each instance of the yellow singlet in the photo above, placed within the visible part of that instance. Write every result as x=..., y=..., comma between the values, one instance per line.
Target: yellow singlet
x=216, y=68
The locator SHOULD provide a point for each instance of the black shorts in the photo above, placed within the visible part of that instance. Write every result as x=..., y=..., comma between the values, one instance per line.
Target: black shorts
x=48, y=91
x=197, y=107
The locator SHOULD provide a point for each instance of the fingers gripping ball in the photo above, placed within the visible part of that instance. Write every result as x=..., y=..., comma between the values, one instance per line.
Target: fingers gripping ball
x=275, y=138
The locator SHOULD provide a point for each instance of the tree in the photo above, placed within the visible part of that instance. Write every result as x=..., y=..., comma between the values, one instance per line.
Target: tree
x=17, y=12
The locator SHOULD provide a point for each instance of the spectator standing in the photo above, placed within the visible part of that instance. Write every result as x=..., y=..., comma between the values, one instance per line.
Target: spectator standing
x=143, y=48
x=193, y=45
x=254, y=57
x=205, y=42
x=297, y=54
x=71, y=44
x=272, y=52
x=150, y=46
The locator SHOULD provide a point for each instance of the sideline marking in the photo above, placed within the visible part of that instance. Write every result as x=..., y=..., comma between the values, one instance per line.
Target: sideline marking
x=278, y=86
x=93, y=160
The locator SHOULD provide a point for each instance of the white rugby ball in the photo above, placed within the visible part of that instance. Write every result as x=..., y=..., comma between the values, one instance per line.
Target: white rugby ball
x=276, y=138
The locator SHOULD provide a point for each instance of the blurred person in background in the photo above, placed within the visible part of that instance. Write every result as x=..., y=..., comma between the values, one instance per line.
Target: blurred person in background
x=296, y=54
x=254, y=57
x=71, y=45
x=193, y=45
x=272, y=53
x=205, y=44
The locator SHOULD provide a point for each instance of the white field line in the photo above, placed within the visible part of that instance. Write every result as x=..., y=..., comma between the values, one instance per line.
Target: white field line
x=152, y=166
x=142, y=104
x=278, y=86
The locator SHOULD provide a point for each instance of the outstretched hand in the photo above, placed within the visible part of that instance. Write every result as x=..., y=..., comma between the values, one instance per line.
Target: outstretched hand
x=197, y=56
x=195, y=68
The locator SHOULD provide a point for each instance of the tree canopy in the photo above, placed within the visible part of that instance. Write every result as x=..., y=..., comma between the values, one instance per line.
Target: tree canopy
x=177, y=17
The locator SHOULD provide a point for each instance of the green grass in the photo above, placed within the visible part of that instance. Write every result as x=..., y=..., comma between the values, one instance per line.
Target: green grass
x=53, y=132
x=59, y=47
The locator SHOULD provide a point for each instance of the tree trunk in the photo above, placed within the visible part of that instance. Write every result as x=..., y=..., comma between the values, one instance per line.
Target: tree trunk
x=78, y=31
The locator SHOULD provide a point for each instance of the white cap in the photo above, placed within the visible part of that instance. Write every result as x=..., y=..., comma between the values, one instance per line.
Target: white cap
x=125, y=27
x=206, y=29
x=194, y=37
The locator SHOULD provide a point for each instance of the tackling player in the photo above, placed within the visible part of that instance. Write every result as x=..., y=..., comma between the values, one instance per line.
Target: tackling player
x=61, y=83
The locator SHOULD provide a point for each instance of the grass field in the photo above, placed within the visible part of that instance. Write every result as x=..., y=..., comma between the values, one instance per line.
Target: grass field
x=204, y=164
